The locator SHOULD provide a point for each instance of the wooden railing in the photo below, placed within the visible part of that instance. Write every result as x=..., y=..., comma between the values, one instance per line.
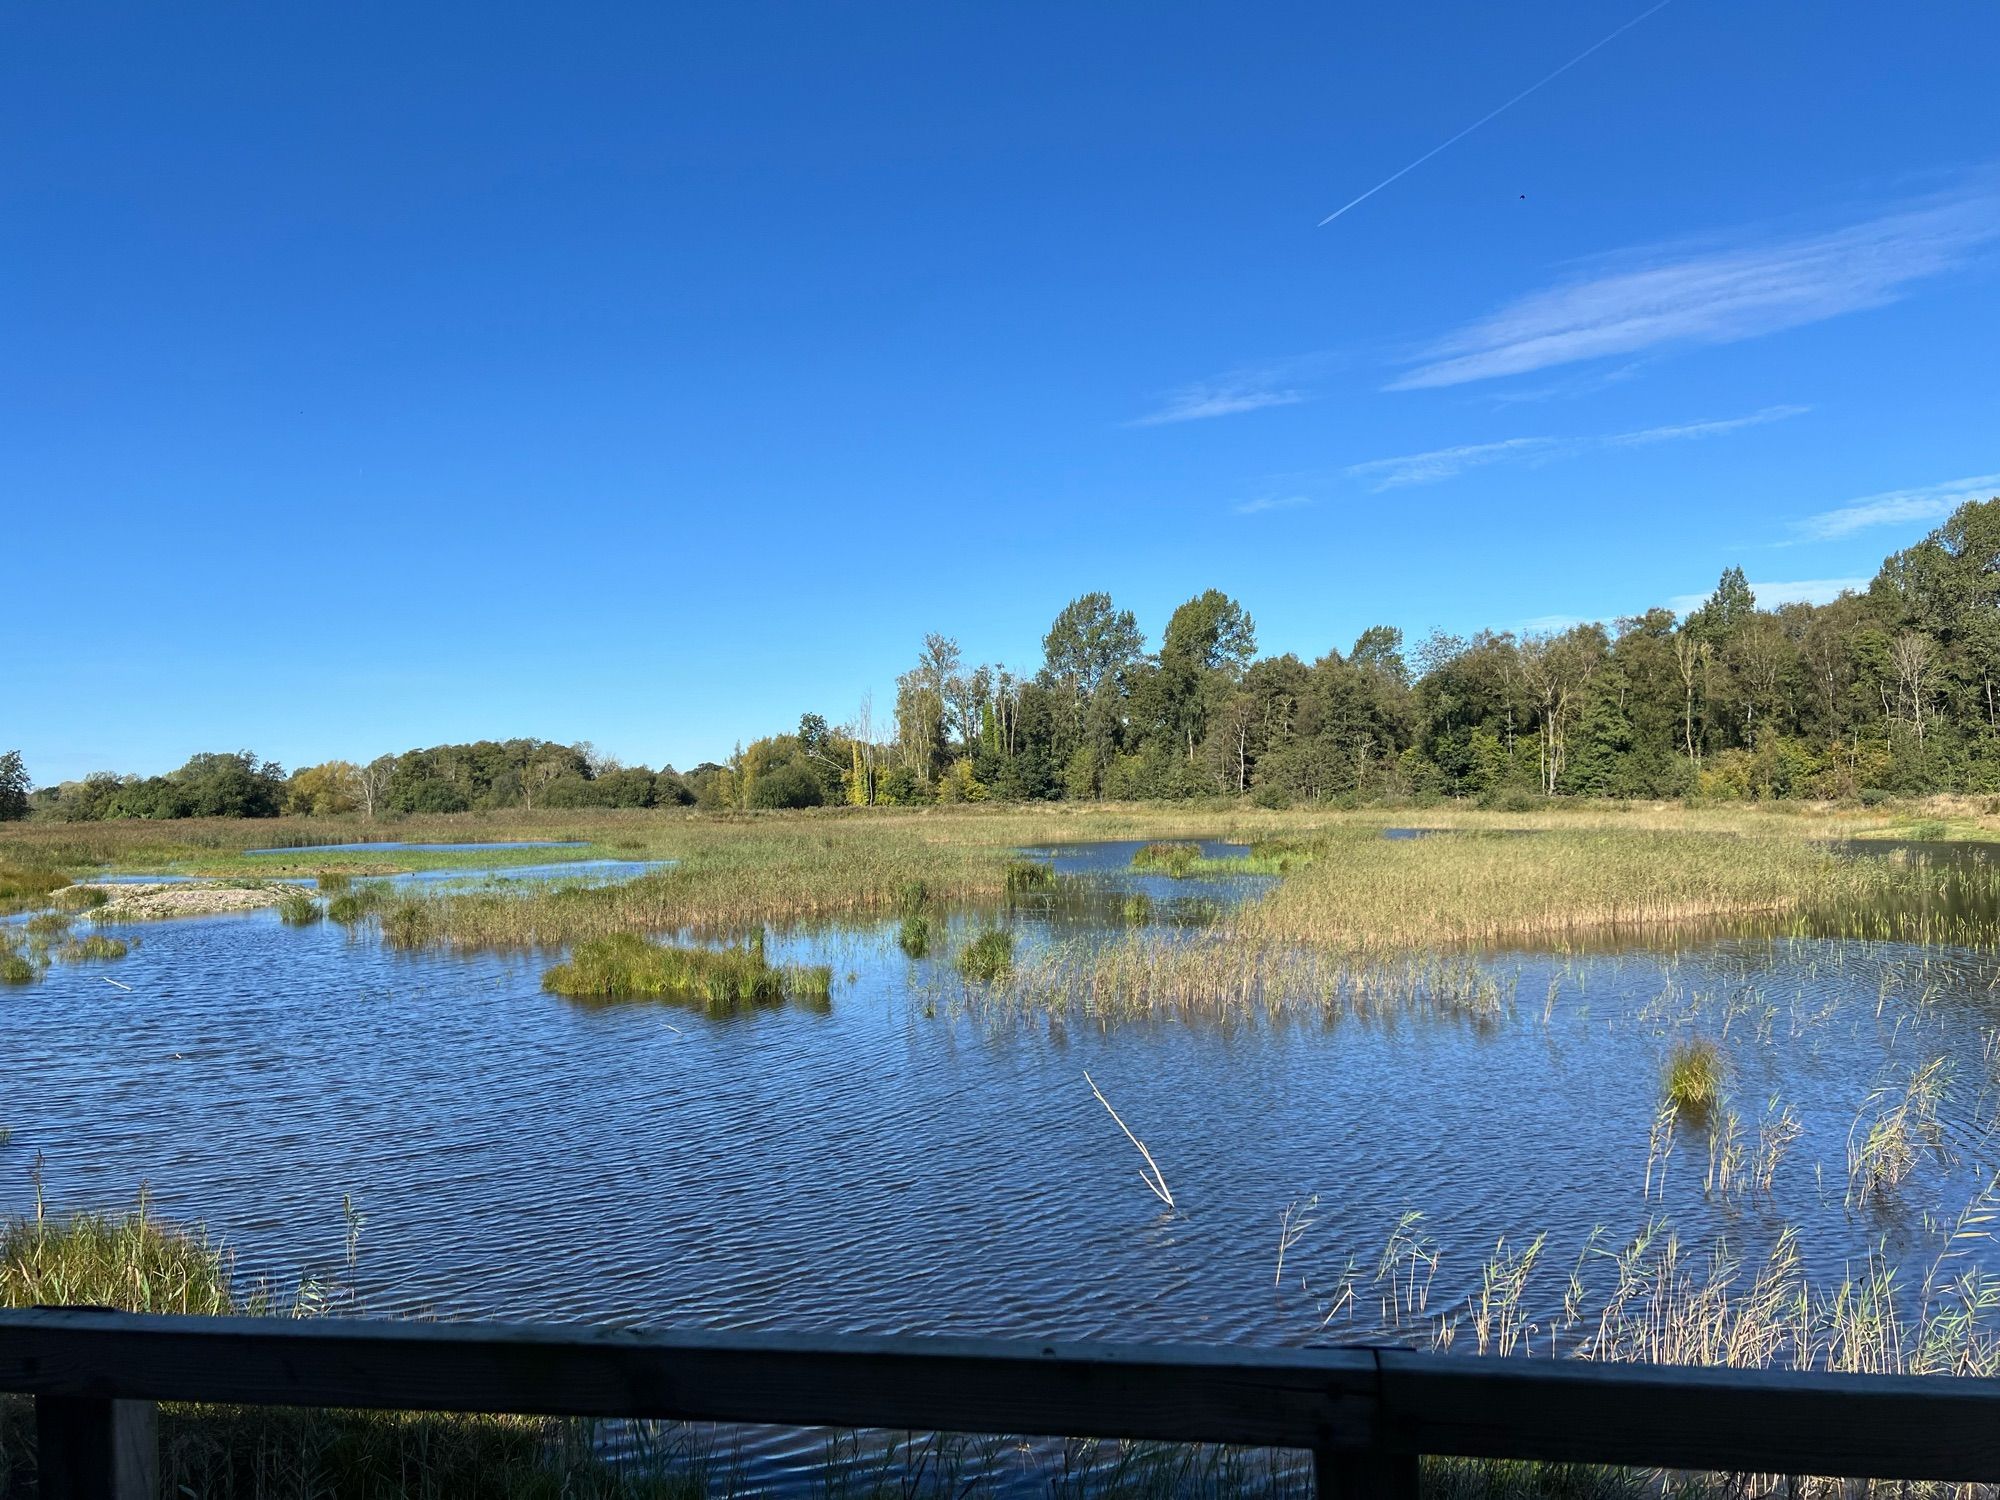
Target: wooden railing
x=1366, y=1415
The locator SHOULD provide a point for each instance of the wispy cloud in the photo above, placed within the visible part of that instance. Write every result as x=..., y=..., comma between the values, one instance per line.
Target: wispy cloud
x=1277, y=382
x=1565, y=387
x=1270, y=502
x=1194, y=403
x=1714, y=296
x=1771, y=595
x=1446, y=463
x=1689, y=430
x=1897, y=507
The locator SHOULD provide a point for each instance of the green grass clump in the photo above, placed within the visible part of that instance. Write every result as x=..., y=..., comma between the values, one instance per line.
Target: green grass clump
x=1137, y=909
x=14, y=969
x=1169, y=857
x=94, y=947
x=987, y=956
x=915, y=936
x=137, y=1264
x=27, y=885
x=1694, y=1077
x=1027, y=876
x=133, y=1263
x=81, y=898
x=50, y=924
x=622, y=966
x=298, y=909
x=358, y=903
x=1928, y=830
x=333, y=882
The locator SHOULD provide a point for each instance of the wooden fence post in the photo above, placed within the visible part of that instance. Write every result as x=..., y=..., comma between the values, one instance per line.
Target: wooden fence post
x=92, y=1449
x=1364, y=1474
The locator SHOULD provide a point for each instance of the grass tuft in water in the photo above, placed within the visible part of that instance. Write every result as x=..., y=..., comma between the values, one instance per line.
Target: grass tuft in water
x=622, y=966
x=1029, y=877
x=988, y=956
x=333, y=882
x=358, y=903
x=95, y=947
x=81, y=898
x=50, y=924
x=1137, y=909
x=915, y=937
x=298, y=909
x=1693, y=1082
x=1168, y=857
x=14, y=969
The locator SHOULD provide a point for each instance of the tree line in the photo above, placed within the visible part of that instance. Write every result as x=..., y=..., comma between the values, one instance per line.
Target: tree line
x=1893, y=690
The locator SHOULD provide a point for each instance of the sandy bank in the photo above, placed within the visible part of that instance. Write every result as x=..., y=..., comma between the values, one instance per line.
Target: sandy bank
x=136, y=903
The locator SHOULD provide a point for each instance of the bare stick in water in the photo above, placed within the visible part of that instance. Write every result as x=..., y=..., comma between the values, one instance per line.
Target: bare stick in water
x=1152, y=1177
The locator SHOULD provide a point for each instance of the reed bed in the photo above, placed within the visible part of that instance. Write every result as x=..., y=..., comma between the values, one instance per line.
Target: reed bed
x=1374, y=893
x=1211, y=976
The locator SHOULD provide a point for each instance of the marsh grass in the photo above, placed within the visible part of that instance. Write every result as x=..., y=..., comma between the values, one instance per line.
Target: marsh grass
x=1893, y=1129
x=24, y=886
x=987, y=957
x=81, y=898
x=1587, y=868
x=914, y=936
x=1183, y=860
x=17, y=969
x=48, y=925
x=358, y=902
x=1028, y=877
x=1362, y=891
x=296, y=907
x=134, y=1262
x=1207, y=975
x=1169, y=857
x=93, y=948
x=1693, y=1079
x=333, y=882
x=623, y=966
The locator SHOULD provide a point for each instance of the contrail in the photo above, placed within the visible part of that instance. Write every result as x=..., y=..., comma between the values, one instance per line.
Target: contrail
x=1483, y=119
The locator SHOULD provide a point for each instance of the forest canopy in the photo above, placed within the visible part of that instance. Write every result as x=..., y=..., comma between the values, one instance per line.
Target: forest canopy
x=1888, y=691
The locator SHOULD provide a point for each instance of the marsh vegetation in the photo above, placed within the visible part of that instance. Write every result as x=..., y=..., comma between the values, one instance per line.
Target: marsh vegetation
x=1715, y=1087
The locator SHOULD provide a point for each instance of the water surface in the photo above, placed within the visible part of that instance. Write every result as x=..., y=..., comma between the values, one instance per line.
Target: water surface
x=906, y=1161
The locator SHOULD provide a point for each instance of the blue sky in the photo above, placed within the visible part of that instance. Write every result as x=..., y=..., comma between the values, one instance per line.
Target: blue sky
x=376, y=376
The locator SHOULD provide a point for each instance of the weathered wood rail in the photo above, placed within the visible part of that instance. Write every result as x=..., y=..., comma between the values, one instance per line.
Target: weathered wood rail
x=1365, y=1414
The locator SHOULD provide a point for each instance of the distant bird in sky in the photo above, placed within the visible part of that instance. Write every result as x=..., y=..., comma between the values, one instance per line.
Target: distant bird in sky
x=1495, y=114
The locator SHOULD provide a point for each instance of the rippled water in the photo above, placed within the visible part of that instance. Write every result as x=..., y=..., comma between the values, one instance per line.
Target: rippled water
x=897, y=1164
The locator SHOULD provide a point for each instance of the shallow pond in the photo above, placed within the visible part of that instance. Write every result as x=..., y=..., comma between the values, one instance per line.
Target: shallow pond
x=907, y=1162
